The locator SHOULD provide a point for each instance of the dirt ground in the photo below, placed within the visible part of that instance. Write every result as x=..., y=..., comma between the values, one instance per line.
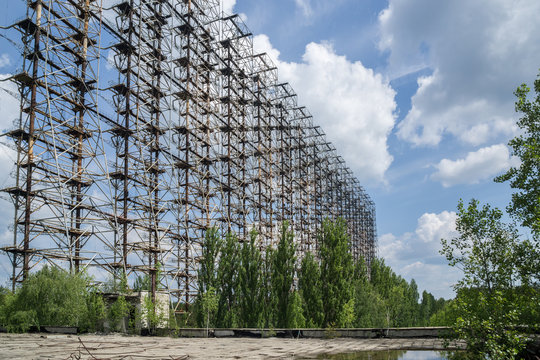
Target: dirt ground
x=47, y=346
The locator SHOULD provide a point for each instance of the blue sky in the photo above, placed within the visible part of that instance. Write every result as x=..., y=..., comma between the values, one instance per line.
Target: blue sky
x=415, y=94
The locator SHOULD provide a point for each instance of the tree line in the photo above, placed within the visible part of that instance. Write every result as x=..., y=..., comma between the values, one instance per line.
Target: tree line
x=242, y=285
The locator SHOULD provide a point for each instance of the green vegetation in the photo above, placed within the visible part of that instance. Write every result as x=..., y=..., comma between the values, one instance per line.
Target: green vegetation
x=336, y=274
x=309, y=283
x=257, y=288
x=52, y=296
x=283, y=269
x=117, y=312
x=209, y=305
x=495, y=294
x=207, y=276
x=227, y=277
x=525, y=178
x=249, y=280
x=498, y=300
x=240, y=285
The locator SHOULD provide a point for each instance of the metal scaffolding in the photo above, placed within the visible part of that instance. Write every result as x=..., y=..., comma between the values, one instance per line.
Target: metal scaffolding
x=144, y=124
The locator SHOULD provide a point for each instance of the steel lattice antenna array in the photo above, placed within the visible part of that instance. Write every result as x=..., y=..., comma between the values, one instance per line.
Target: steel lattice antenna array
x=147, y=122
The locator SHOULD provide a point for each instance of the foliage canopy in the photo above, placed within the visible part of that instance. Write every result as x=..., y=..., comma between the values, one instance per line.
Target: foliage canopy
x=525, y=178
x=495, y=294
x=52, y=296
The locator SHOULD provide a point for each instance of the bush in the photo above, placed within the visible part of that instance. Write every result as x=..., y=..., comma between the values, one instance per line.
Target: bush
x=52, y=296
x=117, y=313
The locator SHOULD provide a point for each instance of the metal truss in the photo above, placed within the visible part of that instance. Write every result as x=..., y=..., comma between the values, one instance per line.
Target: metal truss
x=147, y=122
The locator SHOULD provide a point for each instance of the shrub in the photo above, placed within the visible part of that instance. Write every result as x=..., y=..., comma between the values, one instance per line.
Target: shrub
x=52, y=296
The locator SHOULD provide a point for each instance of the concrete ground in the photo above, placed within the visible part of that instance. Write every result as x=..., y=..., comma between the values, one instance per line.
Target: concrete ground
x=47, y=346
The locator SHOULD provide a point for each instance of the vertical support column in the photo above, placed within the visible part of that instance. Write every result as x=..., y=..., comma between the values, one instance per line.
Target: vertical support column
x=30, y=156
x=78, y=162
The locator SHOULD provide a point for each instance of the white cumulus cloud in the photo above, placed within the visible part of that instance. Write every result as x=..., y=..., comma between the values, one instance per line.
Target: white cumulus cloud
x=433, y=227
x=9, y=106
x=228, y=6
x=432, y=273
x=4, y=60
x=354, y=105
x=479, y=165
x=479, y=51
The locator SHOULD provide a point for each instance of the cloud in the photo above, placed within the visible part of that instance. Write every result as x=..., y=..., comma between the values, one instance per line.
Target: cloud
x=9, y=105
x=305, y=7
x=479, y=52
x=4, y=60
x=110, y=64
x=479, y=165
x=415, y=255
x=433, y=227
x=228, y=6
x=261, y=44
x=354, y=105
x=10, y=112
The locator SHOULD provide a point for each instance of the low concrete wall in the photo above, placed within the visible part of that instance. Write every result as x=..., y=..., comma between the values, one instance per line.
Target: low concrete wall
x=395, y=333
x=369, y=333
x=194, y=333
x=417, y=332
x=69, y=330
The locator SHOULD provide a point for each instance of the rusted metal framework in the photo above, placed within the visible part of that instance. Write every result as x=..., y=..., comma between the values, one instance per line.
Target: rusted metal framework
x=147, y=122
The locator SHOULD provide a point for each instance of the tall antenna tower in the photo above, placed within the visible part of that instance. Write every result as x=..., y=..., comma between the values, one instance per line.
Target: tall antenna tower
x=146, y=123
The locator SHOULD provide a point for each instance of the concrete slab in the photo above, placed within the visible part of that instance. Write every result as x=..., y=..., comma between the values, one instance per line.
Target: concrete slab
x=17, y=346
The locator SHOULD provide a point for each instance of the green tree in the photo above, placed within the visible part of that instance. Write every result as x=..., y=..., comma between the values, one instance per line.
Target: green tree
x=336, y=271
x=227, y=279
x=117, y=314
x=267, y=294
x=487, y=301
x=208, y=274
x=57, y=297
x=96, y=311
x=427, y=307
x=410, y=304
x=347, y=315
x=283, y=269
x=309, y=284
x=395, y=304
x=381, y=277
x=400, y=299
x=249, y=283
x=295, y=316
x=484, y=249
x=118, y=283
x=384, y=283
x=525, y=178
x=142, y=283
x=52, y=296
x=369, y=305
x=446, y=315
x=209, y=305
x=153, y=313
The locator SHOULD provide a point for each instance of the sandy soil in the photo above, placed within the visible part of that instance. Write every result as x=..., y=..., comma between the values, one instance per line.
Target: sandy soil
x=46, y=346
